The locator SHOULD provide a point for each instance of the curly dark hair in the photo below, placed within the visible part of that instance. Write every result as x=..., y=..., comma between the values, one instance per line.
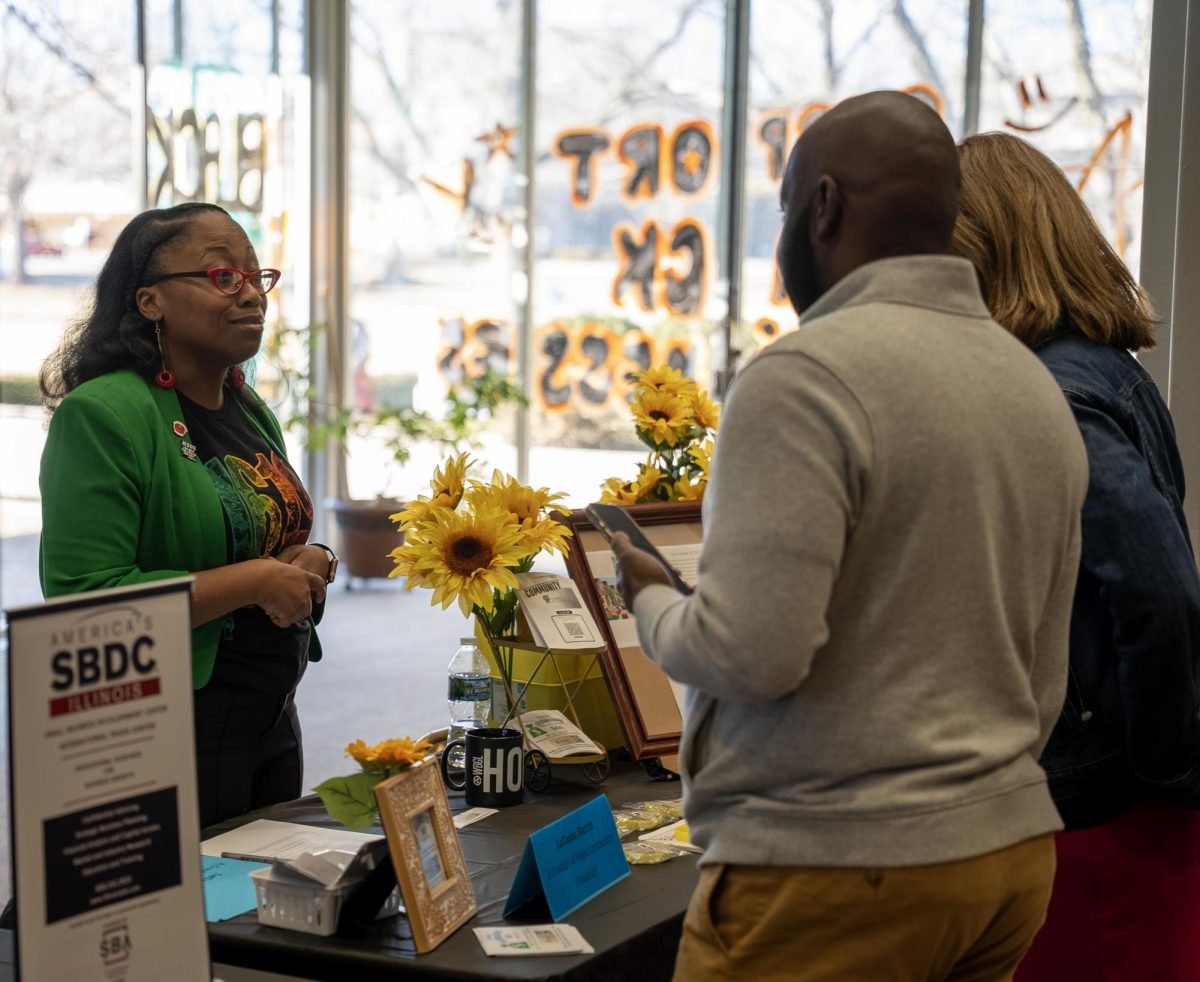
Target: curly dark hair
x=112, y=334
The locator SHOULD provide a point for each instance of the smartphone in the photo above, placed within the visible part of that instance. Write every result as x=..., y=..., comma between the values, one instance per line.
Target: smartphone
x=610, y=519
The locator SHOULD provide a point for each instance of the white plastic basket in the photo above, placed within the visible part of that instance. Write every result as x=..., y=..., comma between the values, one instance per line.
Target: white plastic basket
x=310, y=908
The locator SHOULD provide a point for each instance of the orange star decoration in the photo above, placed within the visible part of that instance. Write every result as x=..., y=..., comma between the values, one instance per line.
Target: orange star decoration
x=351, y=799
x=498, y=140
x=692, y=160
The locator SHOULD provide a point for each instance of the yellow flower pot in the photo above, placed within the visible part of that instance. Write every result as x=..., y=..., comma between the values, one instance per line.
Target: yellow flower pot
x=597, y=717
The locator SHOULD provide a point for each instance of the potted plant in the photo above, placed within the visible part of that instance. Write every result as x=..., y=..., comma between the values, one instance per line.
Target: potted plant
x=365, y=531
x=367, y=534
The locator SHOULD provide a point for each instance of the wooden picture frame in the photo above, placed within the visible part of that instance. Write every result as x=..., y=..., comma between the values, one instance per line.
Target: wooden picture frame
x=429, y=864
x=646, y=701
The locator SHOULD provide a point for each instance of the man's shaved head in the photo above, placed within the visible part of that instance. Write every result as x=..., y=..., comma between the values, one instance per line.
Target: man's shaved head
x=875, y=176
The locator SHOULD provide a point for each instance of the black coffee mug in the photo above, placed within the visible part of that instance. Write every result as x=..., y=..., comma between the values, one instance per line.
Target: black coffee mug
x=495, y=767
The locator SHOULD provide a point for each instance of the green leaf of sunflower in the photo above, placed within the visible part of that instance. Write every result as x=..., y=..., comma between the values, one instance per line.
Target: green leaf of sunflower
x=350, y=799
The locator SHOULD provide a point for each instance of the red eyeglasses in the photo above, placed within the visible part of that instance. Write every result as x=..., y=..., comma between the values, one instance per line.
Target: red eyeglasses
x=229, y=279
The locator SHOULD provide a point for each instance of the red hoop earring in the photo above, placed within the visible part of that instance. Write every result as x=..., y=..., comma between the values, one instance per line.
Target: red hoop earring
x=164, y=379
x=237, y=377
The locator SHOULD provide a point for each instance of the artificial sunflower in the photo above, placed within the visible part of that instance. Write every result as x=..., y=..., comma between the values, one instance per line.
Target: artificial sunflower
x=524, y=503
x=705, y=412
x=449, y=481
x=662, y=418
x=415, y=514
x=701, y=456
x=464, y=556
x=685, y=489
x=665, y=379
x=350, y=798
x=548, y=535
x=620, y=492
x=671, y=413
x=394, y=753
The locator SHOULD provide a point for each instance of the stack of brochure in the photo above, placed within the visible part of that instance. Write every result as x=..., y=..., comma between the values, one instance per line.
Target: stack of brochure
x=557, y=617
x=538, y=939
x=556, y=736
x=266, y=841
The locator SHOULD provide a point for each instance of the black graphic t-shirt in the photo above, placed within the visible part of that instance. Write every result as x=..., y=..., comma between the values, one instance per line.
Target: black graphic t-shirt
x=266, y=509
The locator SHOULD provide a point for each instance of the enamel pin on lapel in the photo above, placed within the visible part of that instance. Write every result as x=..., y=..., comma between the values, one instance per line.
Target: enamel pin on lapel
x=187, y=449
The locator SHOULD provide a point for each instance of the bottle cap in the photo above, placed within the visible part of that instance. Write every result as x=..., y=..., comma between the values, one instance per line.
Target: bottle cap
x=470, y=640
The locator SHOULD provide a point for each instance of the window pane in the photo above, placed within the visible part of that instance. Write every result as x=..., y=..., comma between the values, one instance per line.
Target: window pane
x=221, y=127
x=434, y=94
x=68, y=188
x=806, y=56
x=628, y=198
x=1072, y=78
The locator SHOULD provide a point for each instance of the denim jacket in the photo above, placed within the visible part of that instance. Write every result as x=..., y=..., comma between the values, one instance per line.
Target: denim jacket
x=1130, y=728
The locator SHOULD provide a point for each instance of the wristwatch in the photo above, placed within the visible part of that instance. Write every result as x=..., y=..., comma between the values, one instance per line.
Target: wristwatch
x=331, y=574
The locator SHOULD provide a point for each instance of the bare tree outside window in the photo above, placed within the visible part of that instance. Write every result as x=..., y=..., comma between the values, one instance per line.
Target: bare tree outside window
x=64, y=117
x=804, y=58
x=1072, y=77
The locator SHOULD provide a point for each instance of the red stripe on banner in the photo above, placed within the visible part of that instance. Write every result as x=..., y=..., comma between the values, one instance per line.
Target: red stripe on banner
x=112, y=695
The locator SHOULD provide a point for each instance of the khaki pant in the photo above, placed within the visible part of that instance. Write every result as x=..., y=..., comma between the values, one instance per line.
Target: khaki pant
x=970, y=921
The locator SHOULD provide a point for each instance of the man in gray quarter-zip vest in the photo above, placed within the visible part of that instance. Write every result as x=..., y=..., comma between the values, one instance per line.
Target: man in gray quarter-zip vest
x=876, y=650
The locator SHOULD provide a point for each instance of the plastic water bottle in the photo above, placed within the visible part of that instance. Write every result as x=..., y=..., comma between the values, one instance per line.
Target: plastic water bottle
x=469, y=692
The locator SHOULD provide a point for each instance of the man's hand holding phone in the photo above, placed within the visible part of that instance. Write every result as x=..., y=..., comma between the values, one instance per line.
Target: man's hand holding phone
x=613, y=520
x=636, y=569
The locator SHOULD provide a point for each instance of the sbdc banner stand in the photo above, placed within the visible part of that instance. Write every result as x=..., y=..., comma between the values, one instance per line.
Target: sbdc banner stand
x=105, y=825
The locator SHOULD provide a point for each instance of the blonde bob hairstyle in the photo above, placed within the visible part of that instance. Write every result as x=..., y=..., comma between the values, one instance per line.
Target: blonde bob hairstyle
x=1041, y=258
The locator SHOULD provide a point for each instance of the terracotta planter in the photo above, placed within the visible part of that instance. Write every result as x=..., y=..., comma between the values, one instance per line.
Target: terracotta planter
x=366, y=534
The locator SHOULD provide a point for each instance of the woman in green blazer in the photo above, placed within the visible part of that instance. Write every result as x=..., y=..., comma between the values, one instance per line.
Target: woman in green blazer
x=160, y=461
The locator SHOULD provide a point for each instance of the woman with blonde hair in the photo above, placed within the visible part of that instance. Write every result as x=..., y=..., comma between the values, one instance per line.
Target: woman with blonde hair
x=1124, y=758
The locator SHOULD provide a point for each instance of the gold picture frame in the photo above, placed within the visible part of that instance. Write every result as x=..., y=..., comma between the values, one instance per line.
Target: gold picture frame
x=428, y=860
x=643, y=696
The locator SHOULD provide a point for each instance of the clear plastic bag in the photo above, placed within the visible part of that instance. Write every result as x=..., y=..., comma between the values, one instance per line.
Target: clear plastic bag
x=631, y=820
x=650, y=853
x=669, y=810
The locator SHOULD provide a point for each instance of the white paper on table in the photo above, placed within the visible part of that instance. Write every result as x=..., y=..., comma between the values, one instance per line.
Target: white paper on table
x=537, y=939
x=471, y=816
x=265, y=841
x=675, y=834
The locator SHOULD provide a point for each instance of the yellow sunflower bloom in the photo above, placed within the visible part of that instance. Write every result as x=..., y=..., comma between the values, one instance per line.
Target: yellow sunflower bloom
x=405, y=557
x=449, y=481
x=706, y=412
x=524, y=503
x=397, y=752
x=662, y=419
x=547, y=535
x=415, y=514
x=465, y=556
x=661, y=378
x=616, y=491
x=686, y=490
x=361, y=752
x=701, y=455
x=400, y=751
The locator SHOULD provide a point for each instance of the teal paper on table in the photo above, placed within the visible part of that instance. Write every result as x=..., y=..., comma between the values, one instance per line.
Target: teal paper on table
x=570, y=861
x=228, y=889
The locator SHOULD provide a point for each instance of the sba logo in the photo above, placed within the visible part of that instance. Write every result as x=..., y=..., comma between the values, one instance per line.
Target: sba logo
x=115, y=946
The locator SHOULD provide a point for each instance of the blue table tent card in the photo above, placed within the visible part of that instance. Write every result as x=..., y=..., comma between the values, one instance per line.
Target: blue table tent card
x=570, y=861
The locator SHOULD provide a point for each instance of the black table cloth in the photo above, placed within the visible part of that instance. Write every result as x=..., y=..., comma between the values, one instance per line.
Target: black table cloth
x=634, y=926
